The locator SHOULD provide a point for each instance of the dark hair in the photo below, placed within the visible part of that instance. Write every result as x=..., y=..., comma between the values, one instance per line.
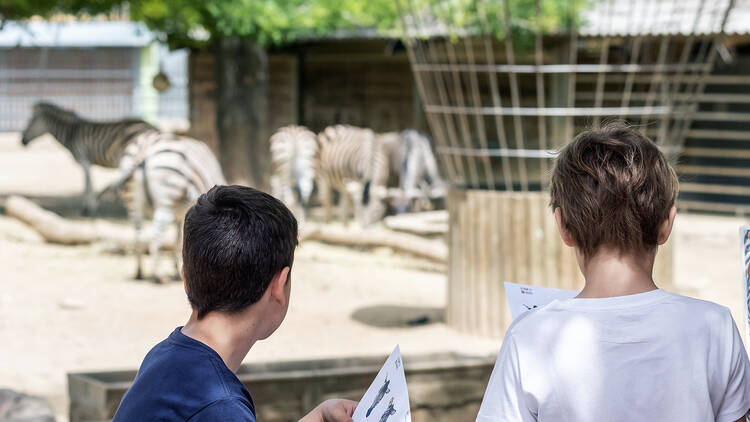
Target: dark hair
x=236, y=239
x=614, y=187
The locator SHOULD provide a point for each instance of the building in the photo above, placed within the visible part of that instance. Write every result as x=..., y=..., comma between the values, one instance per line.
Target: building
x=100, y=69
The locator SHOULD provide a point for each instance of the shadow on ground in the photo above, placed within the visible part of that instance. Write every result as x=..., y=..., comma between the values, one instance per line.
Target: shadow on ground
x=394, y=316
x=71, y=206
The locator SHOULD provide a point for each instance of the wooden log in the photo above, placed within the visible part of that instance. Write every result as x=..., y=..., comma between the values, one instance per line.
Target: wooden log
x=430, y=223
x=52, y=227
x=415, y=245
x=434, y=250
x=56, y=229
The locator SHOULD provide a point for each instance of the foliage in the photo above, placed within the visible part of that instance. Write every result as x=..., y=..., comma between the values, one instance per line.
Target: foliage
x=267, y=22
x=276, y=22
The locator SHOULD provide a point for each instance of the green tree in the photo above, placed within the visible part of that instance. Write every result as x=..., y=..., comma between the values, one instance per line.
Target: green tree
x=238, y=33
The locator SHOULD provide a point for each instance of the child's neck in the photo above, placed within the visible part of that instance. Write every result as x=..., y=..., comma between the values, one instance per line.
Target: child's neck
x=610, y=273
x=230, y=336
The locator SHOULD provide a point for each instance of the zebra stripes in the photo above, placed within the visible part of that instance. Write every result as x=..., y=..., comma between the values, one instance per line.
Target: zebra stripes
x=352, y=161
x=413, y=168
x=358, y=164
x=294, y=151
x=159, y=172
x=164, y=173
x=99, y=143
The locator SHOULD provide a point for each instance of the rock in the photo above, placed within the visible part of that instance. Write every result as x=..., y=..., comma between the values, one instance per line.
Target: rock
x=20, y=407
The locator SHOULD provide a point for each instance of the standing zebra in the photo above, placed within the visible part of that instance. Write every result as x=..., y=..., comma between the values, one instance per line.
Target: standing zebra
x=353, y=162
x=99, y=143
x=294, y=152
x=412, y=168
x=165, y=173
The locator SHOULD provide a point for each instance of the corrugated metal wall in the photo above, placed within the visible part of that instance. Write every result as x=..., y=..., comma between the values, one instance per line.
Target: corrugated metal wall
x=98, y=83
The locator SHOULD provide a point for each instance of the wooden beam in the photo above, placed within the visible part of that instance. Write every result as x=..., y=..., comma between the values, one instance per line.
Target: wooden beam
x=715, y=189
x=714, y=170
x=716, y=152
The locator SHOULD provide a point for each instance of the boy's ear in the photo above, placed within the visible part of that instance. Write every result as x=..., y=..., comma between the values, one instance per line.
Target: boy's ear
x=277, y=287
x=666, y=227
x=564, y=233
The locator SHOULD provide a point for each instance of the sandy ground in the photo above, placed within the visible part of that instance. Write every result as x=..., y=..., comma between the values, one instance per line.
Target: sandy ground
x=65, y=309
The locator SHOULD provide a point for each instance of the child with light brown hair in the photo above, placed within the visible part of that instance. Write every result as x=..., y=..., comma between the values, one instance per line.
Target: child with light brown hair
x=623, y=349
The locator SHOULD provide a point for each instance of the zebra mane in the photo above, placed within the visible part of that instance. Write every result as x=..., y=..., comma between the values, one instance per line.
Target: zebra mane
x=55, y=111
x=69, y=116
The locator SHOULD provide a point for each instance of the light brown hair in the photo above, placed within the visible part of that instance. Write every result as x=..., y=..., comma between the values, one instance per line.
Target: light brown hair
x=614, y=187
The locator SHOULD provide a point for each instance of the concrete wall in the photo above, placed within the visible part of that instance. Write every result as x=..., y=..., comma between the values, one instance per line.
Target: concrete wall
x=442, y=387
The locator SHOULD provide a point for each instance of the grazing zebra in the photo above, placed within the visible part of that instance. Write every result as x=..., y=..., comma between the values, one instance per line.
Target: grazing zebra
x=294, y=152
x=100, y=143
x=352, y=162
x=164, y=173
x=412, y=168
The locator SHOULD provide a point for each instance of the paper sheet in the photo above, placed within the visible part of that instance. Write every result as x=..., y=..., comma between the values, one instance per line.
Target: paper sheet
x=523, y=298
x=745, y=242
x=387, y=399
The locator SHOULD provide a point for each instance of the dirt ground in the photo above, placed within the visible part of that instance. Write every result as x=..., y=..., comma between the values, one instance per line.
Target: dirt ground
x=65, y=309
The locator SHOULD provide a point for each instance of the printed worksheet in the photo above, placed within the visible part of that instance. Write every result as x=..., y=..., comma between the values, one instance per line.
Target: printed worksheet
x=523, y=298
x=387, y=399
x=745, y=242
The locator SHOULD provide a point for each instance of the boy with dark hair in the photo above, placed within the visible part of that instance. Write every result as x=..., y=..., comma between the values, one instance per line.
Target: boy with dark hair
x=238, y=251
x=622, y=350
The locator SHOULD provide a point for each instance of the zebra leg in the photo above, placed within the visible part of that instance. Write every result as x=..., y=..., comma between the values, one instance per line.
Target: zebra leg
x=138, y=248
x=163, y=217
x=89, y=199
x=374, y=210
x=353, y=196
x=177, y=250
x=324, y=191
x=134, y=197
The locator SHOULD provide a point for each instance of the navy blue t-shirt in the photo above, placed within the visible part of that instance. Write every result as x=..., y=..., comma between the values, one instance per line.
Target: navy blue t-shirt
x=182, y=379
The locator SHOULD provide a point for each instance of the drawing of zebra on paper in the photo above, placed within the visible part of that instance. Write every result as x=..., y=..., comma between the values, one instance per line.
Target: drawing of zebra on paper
x=352, y=162
x=294, y=151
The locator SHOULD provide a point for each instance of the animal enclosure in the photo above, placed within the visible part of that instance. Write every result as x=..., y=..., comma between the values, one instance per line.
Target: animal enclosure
x=506, y=85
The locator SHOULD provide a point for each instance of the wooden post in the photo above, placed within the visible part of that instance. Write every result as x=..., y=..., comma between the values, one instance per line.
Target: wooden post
x=508, y=236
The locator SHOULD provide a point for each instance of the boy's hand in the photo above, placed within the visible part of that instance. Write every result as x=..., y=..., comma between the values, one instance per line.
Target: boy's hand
x=333, y=410
x=337, y=410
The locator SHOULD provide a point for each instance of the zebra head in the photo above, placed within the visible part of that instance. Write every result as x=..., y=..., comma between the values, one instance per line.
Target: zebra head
x=41, y=120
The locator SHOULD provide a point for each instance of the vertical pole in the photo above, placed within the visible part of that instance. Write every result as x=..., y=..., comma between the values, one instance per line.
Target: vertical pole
x=515, y=97
x=149, y=97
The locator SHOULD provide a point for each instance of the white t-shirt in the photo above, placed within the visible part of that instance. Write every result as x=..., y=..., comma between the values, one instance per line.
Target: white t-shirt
x=653, y=356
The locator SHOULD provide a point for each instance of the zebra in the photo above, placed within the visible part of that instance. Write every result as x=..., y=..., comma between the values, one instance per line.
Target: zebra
x=413, y=168
x=294, y=151
x=352, y=161
x=163, y=173
x=99, y=143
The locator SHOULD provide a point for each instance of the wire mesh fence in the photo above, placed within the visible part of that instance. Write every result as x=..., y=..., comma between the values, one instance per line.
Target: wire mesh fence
x=504, y=84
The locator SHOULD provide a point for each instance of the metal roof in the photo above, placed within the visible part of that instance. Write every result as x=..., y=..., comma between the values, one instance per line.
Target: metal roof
x=664, y=17
x=75, y=34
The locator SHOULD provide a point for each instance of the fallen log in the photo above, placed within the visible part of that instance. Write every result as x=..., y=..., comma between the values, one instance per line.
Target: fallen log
x=434, y=250
x=52, y=227
x=428, y=223
x=56, y=229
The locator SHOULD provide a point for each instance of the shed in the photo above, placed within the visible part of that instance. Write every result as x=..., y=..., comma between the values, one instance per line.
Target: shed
x=100, y=69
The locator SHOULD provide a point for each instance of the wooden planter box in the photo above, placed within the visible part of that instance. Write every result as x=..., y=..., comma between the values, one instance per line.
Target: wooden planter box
x=442, y=387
